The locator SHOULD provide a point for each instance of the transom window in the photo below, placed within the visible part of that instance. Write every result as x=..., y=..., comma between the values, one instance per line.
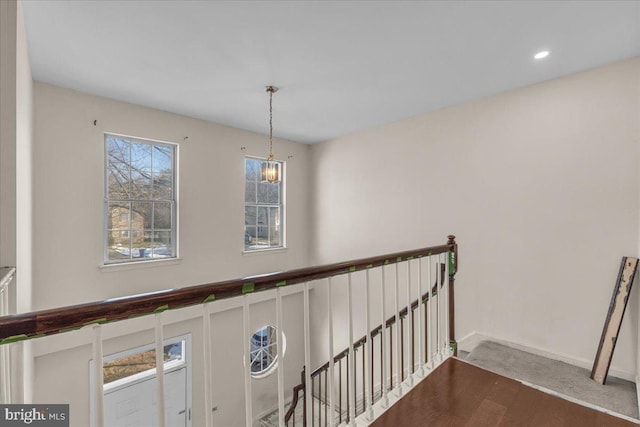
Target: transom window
x=140, y=199
x=263, y=210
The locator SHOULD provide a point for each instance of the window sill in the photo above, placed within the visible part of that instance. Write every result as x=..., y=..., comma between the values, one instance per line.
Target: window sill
x=108, y=268
x=264, y=251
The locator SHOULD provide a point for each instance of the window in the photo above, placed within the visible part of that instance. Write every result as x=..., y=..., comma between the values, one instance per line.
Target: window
x=264, y=351
x=141, y=363
x=140, y=199
x=263, y=210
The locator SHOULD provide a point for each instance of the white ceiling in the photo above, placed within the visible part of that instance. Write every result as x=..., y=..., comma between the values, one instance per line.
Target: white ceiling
x=341, y=66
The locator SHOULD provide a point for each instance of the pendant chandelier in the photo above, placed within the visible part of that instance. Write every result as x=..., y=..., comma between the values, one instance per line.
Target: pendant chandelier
x=271, y=170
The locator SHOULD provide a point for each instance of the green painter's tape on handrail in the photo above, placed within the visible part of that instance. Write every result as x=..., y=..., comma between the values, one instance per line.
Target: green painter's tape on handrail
x=370, y=266
x=386, y=262
x=409, y=258
x=283, y=283
x=247, y=288
x=399, y=259
x=14, y=338
x=133, y=316
x=454, y=347
x=352, y=269
x=162, y=308
x=75, y=328
x=210, y=298
x=97, y=321
x=452, y=262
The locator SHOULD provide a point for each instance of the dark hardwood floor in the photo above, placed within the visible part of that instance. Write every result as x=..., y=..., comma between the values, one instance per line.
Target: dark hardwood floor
x=460, y=394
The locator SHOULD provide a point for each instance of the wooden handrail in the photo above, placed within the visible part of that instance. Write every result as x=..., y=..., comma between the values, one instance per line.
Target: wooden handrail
x=57, y=320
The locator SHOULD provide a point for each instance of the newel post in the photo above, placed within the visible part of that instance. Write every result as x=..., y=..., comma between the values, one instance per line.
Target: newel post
x=453, y=268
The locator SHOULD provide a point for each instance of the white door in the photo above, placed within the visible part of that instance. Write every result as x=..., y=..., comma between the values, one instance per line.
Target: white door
x=134, y=405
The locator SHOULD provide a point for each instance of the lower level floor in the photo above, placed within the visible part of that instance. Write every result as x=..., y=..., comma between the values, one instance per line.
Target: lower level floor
x=460, y=394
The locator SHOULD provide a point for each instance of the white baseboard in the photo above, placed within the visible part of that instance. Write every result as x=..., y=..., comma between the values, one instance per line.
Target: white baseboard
x=470, y=341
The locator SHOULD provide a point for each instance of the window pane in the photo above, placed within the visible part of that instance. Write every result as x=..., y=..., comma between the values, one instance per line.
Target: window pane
x=162, y=247
x=263, y=192
x=162, y=173
x=118, y=180
x=140, y=184
x=274, y=217
x=273, y=193
x=118, y=149
x=162, y=158
x=118, y=216
x=118, y=245
x=250, y=192
x=252, y=169
x=141, y=158
x=274, y=226
x=136, y=363
x=274, y=237
x=249, y=236
x=263, y=350
x=263, y=216
x=162, y=185
x=162, y=215
x=250, y=215
x=141, y=215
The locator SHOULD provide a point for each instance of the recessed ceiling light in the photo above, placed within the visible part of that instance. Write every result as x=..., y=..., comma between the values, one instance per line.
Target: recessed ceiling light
x=542, y=54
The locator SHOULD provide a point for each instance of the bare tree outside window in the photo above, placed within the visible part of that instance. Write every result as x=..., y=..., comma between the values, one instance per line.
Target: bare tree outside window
x=140, y=201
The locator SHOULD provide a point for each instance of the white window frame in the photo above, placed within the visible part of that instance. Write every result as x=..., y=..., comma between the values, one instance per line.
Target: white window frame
x=281, y=205
x=174, y=201
x=270, y=369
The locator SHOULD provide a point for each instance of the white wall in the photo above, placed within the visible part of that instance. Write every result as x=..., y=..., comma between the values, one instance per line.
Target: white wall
x=68, y=219
x=68, y=199
x=540, y=185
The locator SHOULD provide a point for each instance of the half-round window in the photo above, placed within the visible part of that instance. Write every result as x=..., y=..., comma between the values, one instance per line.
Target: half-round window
x=264, y=351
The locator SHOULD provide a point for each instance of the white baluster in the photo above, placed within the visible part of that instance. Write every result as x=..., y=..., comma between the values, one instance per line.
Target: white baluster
x=398, y=329
x=208, y=381
x=280, y=365
x=447, y=347
x=420, y=320
x=438, y=309
x=352, y=360
x=409, y=322
x=331, y=362
x=308, y=390
x=383, y=342
x=160, y=371
x=98, y=379
x=368, y=353
x=430, y=314
x=246, y=337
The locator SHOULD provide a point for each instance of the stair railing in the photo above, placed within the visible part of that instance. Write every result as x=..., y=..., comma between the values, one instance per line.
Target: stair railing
x=319, y=377
x=439, y=333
